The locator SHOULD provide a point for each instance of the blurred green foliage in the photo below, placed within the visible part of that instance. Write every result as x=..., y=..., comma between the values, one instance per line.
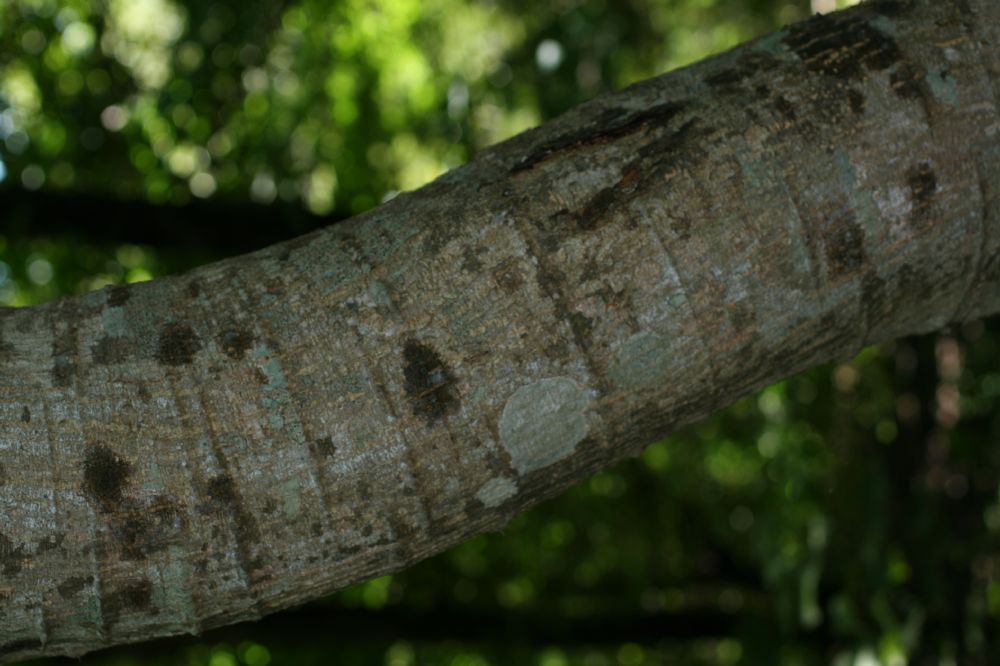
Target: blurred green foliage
x=849, y=515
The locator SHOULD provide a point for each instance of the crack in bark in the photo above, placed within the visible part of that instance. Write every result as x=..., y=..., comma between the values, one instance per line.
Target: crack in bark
x=609, y=125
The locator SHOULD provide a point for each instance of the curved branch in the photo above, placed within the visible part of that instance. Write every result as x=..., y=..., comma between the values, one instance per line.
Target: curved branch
x=212, y=447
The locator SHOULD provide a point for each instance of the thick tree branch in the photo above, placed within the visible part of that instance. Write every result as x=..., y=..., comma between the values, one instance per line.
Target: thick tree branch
x=208, y=448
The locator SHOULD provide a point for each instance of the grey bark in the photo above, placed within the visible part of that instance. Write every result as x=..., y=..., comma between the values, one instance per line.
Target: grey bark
x=215, y=446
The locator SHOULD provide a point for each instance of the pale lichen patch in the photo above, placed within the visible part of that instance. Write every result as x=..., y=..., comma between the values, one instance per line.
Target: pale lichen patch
x=543, y=422
x=944, y=87
x=496, y=491
x=291, y=498
x=113, y=321
x=378, y=294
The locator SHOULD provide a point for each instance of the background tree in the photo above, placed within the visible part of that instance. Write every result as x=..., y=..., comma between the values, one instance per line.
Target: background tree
x=111, y=106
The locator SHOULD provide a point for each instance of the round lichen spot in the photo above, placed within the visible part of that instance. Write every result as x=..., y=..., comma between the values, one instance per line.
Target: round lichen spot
x=543, y=422
x=642, y=361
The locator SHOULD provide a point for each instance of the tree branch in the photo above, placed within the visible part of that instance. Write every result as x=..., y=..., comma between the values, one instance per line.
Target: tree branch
x=209, y=448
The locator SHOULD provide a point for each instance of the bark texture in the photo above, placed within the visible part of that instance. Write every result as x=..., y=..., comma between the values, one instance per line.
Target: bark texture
x=211, y=447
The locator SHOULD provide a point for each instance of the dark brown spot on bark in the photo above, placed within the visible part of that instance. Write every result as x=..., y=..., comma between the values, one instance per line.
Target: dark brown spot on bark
x=784, y=107
x=118, y=296
x=69, y=587
x=325, y=447
x=193, y=289
x=856, y=100
x=3, y=475
x=236, y=342
x=178, y=344
x=51, y=542
x=907, y=81
x=581, y=325
x=63, y=371
x=11, y=557
x=428, y=382
x=144, y=530
x=132, y=597
x=111, y=350
x=843, y=242
x=923, y=187
x=593, y=212
x=105, y=477
x=224, y=498
x=220, y=489
x=26, y=415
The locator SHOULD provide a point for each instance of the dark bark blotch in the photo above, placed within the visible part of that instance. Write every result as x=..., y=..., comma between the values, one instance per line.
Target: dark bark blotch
x=843, y=241
x=221, y=489
x=63, y=371
x=71, y=586
x=784, y=107
x=856, y=100
x=428, y=382
x=111, y=349
x=178, y=344
x=225, y=498
x=118, y=296
x=26, y=415
x=105, y=477
x=11, y=557
x=325, y=447
x=907, y=81
x=143, y=530
x=581, y=325
x=135, y=597
x=236, y=342
x=923, y=185
x=51, y=542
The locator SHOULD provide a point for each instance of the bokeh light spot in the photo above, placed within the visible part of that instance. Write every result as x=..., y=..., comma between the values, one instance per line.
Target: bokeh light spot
x=549, y=55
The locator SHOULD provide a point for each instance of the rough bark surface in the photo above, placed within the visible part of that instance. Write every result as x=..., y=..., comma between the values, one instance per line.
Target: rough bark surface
x=211, y=447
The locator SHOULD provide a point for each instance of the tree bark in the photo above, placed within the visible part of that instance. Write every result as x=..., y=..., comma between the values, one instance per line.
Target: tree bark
x=211, y=447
